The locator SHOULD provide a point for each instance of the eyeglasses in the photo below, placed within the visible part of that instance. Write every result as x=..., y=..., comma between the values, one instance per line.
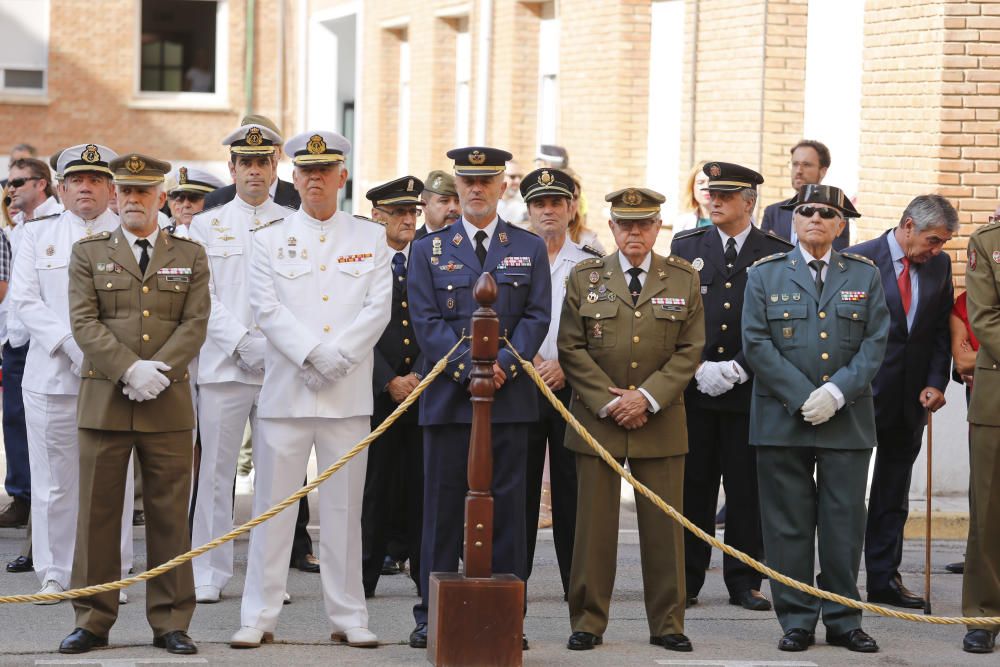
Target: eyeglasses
x=186, y=196
x=824, y=212
x=401, y=212
x=629, y=225
x=18, y=182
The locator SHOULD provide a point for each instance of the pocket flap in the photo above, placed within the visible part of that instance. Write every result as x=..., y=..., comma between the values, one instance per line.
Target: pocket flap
x=787, y=311
x=513, y=279
x=450, y=282
x=292, y=270
x=356, y=268
x=173, y=283
x=42, y=263
x=599, y=311
x=661, y=313
x=852, y=312
x=224, y=250
x=112, y=282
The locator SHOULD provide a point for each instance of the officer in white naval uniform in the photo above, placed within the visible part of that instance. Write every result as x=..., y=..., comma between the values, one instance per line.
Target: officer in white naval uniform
x=322, y=293
x=231, y=363
x=39, y=295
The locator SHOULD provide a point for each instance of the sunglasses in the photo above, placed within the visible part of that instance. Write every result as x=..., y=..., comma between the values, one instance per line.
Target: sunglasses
x=18, y=182
x=824, y=212
x=186, y=196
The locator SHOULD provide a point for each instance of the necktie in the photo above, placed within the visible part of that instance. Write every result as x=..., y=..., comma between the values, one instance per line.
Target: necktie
x=481, y=246
x=817, y=266
x=730, y=253
x=398, y=272
x=144, y=257
x=634, y=286
x=905, y=291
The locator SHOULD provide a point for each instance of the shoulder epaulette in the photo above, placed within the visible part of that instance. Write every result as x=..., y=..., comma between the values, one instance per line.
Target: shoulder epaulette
x=690, y=232
x=988, y=227
x=94, y=237
x=680, y=262
x=44, y=217
x=592, y=250
x=858, y=258
x=290, y=208
x=186, y=239
x=210, y=208
x=774, y=236
x=367, y=219
x=587, y=264
x=266, y=224
x=770, y=258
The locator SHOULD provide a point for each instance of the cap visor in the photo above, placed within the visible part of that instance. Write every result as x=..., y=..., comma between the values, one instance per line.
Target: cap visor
x=252, y=150
x=315, y=160
x=471, y=170
x=83, y=168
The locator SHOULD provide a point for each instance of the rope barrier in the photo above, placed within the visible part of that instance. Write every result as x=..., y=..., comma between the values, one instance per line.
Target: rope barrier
x=236, y=532
x=725, y=548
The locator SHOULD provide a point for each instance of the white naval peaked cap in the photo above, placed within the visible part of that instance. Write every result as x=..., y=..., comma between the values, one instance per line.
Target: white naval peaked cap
x=252, y=140
x=192, y=179
x=317, y=147
x=85, y=157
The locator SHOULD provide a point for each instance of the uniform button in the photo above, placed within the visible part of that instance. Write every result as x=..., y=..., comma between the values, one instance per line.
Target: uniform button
x=90, y=373
x=450, y=288
x=145, y=337
x=854, y=316
x=726, y=305
x=225, y=254
x=635, y=339
x=826, y=378
x=145, y=288
x=635, y=364
x=638, y=314
x=406, y=341
x=632, y=387
x=406, y=323
x=824, y=356
x=724, y=327
x=822, y=315
x=785, y=315
x=728, y=285
x=406, y=361
x=326, y=297
x=145, y=313
x=824, y=335
x=403, y=304
x=515, y=283
x=322, y=239
x=322, y=267
x=177, y=288
x=461, y=367
x=109, y=286
x=456, y=375
x=185, y=376
x=326, y=328
x=597, y=316
x=720, y=350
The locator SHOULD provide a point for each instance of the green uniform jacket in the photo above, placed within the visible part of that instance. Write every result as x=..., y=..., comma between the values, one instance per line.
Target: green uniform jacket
x=118, y=317
x=796, y=341
x=656, y=345
x=981, y=280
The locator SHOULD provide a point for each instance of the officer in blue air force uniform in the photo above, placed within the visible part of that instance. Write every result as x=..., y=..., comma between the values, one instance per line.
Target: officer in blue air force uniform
x=443, y=269
x=815, y=326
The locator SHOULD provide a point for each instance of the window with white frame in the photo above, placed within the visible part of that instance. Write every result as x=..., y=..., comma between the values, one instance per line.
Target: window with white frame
x=463, y=81
x=24, y=46
x=548, y=74
x=182, y=47
x=403, y=127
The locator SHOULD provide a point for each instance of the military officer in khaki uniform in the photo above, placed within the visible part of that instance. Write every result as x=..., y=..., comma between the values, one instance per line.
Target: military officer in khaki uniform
x=981, y=586
x=630, y=338
x=139, y=306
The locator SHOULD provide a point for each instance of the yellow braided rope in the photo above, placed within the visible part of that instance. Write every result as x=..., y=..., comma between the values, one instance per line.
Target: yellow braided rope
x=725, y=548
x=236, y=532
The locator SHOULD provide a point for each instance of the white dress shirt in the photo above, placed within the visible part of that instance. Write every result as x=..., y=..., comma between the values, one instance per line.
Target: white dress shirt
x=897, y=254
x=569, y=256
x=471, y=230
x=132, y=238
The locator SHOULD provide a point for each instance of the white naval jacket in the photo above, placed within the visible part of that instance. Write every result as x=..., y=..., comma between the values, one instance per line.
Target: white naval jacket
x=314, y=282
x=40, y=296
x=226, y=233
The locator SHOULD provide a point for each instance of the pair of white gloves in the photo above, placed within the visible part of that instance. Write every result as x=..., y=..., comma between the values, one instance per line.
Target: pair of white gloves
x=250, y=353
x=324, y=365
x=144, y=380
x=715, y=378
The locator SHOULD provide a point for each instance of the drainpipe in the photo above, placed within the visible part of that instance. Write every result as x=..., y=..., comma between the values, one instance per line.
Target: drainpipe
x=248, y=74
x=483, y=69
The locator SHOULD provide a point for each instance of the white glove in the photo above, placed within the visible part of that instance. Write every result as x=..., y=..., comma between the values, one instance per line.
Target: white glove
x=75, y=354
x=819, y=407
x=250, y=353
x=314, y=380
x=711, y=377
x=145, y=378
x=132, y=394
x=329, y=361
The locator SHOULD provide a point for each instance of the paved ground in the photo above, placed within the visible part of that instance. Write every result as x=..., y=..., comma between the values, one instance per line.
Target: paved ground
x=722, y=634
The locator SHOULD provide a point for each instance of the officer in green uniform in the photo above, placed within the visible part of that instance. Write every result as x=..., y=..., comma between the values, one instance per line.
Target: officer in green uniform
x=815, y=326
x=630, y=338
x=981, y=586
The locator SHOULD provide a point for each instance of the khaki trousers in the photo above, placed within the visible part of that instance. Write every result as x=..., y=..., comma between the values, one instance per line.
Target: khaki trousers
x=981, y=585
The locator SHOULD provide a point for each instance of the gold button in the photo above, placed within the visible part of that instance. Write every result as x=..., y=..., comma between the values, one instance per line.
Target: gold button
x=726, y=305
x=461, y=367
x=326, y=328
x=515, y=283
x=109, y=286
x=326, y=297
x=635, y=339
x=406, y=361
x=822, y=315
x=632, y=387
x=406, y=323
x=456, y=374
x=635, y=364
x=823, y=335
x=854, y=316
x=185, y=376
x=826, y=378
x=728, y=285
x=724, y=327
x=225, y=254
x=406, y=341
x=824, y=356
x=638, y=314
x=145, y=288
x=322, y=239
x=90, y=373
x=145, y=337
x=720, y=349
x=145, y=313
x=403, y=304
x=177, y=288
x=322, y=267
x=450, y=288
x=785, y=315
x=597, y=316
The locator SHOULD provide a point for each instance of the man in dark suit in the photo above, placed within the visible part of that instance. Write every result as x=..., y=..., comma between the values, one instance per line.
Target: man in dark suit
x=394, y=484
x=717, y=400
x=916, y=278
x=810, y=161
x=443, y=269
x=282, y=192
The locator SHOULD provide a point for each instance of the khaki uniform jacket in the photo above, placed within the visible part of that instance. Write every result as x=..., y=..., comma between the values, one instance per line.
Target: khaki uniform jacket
x=982, y=276
x=119, y=316
x=605, y=341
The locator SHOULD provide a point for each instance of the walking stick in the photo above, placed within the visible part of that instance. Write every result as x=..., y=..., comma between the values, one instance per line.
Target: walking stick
x=927, y=518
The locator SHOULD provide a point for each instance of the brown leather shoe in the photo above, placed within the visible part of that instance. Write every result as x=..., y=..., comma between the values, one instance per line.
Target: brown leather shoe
x=15, y=514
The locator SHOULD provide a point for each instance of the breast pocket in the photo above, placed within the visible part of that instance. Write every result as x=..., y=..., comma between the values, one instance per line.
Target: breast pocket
x=52, y=276
x=114, y=295
x=671, y=322
x=226, y=262
x=449, y=291
x=290, y=281
x=789, y=324
x=513, y=291
x=851, y=319
x=601, y=323
x=171, y=293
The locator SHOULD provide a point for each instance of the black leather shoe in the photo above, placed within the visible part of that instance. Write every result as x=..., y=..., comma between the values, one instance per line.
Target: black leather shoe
x=956, y=568
x=418, y=638
x=676, y=642
x=389, y=566
x=691, y=601
x=856, y=640
x=796, y=639
x=897, y=595
x=583, y=641
x=81, y=641
x=752, y=600
x=979, y=641
x=138, y=518
x=176, y=642
x=307, y=563
x=21, y=564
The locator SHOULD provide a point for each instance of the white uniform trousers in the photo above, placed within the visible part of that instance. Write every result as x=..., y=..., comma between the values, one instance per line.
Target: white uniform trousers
x=223, y=410
x=280, y=453
x=54, y=458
